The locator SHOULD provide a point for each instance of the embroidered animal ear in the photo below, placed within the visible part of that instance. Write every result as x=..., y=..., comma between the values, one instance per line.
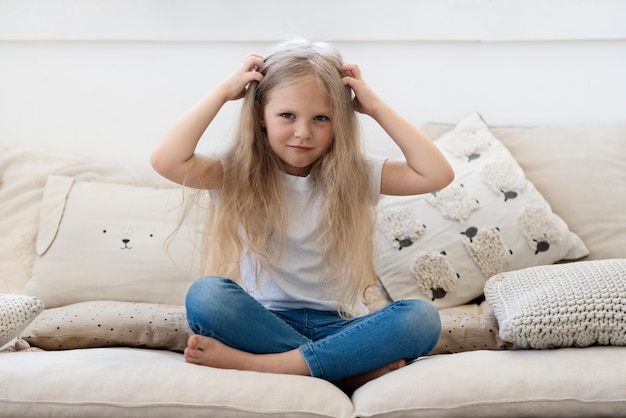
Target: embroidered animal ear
x=52, y=209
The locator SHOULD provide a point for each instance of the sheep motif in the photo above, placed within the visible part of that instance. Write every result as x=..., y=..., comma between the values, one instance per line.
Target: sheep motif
x=466, y=144
x=402, y=228
x=504, y=177
x=540, y=227
x=453, y=202
x=488, y=250
x=434, y=275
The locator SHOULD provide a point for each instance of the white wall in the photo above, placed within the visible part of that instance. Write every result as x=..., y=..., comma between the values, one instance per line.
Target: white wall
x=106, y=78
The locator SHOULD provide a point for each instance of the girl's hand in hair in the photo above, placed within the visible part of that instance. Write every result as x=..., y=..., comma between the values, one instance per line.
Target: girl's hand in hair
x=424, y=169
x=365, y=100
x=234, y=86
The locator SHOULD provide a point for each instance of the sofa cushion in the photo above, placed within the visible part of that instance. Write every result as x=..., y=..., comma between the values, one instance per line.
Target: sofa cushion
x=16, y=312
x=575, y=304
x=131, y=382
x=110, y=324
x=445, y=245
x=107, y=241
x=566, y=382
x=579, y=170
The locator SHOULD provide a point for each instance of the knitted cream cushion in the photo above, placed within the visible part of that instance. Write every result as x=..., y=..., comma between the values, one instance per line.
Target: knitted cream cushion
x=575, y=304
x=16, y=312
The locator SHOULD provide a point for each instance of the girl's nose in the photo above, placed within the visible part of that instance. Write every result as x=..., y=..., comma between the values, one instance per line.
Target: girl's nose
x=302, y=131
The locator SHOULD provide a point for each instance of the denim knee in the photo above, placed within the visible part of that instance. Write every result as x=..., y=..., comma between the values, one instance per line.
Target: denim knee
x=207, y=300
x=421, y=323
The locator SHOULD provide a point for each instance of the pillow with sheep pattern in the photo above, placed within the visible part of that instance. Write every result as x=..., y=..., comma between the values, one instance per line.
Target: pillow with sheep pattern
x=443, y=246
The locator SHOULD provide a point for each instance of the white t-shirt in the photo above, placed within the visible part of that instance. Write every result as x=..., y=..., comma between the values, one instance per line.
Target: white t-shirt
x=295, y=282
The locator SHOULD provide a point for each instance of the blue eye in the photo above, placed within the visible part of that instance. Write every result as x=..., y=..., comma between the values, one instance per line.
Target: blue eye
x=320, y=118
x=287, y=115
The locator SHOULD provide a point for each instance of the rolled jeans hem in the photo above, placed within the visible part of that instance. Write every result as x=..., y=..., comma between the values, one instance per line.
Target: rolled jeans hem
x=315, y=367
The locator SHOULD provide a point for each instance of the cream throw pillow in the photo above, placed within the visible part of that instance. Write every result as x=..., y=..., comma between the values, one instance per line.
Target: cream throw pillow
x=106, y=241
x=16, y=312
x=445, y=245
x=575, y=304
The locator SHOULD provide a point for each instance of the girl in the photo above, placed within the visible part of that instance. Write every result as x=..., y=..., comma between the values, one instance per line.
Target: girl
x=289, y=240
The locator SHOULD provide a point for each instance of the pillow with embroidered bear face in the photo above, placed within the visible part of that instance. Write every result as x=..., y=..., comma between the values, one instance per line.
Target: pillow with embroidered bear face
x=107, y=241
x=443, y=246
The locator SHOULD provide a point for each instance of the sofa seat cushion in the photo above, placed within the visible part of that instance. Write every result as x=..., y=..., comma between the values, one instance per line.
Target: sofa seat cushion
x=139, y=382
x=566, y=382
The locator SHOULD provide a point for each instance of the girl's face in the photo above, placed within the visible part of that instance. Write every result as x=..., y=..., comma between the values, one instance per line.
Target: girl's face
x=298, y=121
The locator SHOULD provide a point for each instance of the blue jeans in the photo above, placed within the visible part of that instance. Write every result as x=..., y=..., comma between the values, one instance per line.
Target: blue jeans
x=333, y=348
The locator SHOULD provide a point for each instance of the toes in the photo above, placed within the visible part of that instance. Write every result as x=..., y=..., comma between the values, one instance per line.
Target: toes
x=191, y=355
x=192, y=342
x=398, y=364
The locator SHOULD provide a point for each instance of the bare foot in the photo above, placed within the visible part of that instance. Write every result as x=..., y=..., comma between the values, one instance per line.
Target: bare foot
x=208, y=351
x=355, y=382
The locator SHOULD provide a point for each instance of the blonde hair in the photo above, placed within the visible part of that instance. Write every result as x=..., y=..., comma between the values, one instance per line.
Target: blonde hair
x=251, y=200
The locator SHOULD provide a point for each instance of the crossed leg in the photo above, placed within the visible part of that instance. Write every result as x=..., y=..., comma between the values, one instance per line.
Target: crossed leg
x=350, y=353
x=208, y=351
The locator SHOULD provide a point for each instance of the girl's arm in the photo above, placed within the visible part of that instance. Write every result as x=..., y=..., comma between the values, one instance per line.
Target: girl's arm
x=175, y=157
x=425, y=169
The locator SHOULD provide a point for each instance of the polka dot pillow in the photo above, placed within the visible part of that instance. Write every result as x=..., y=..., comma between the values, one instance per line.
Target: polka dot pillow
x=109, y=324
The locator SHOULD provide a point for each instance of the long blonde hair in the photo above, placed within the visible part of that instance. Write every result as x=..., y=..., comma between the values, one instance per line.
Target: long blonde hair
x=251, y=200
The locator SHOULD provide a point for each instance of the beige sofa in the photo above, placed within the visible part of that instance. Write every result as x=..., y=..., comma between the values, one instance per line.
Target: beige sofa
x=86, y=239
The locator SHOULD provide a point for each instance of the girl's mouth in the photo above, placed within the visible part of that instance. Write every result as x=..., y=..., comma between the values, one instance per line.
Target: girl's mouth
x=299, y=148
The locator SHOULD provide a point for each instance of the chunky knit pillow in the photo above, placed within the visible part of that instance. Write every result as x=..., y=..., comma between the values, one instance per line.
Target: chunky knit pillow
x=563, y=305
x=16, y=312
